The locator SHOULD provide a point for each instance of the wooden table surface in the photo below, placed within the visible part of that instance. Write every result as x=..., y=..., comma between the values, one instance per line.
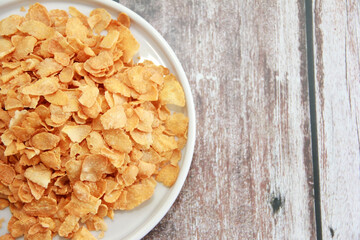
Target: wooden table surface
x=276, y=88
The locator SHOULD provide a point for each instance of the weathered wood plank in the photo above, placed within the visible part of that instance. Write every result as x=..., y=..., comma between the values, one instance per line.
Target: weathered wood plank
x=251, y=175
x=337, y=72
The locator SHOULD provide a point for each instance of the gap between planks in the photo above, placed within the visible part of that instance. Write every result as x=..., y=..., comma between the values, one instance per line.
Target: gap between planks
x=312, y=101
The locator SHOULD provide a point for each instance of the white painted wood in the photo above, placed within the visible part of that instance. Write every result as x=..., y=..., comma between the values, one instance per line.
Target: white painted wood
x=337, y=72
x=251, y=176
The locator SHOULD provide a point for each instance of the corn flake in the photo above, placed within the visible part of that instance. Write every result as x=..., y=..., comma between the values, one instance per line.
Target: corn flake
x=146, y=169
x=124, y=19
x=73, y=103
x=3, y=204
x=8, y=26
x=50, y=159
x=76, y=13
x=24, y=193
x=6, y=48
x=23, y=47
x=43, y=86
x=93, y=167
x=46, y=235
x=39, y=174
x=48, y=67
x=110, y=39
x=62, y=58
x=73, y=169
x=83, y=234
x=136, y=194
x=68, y=225
x=142, y=138
x=95, y=142
x=82, y=191
x=118, y=140
x=172, y=92
x=89, y=95
x=45, y=141
x=36, y=29
x=39, y=13
x=114, y=118
x=163, y=143
x=66, y=75
x=36, y=190
x=7, y=174
x=57, y=98
x=177, y=124
x=85, y=129
x=130, y=174
x=128, y=43
x=168, y=175
x=75, y=28
x=77, y=133
x=44, y=207
x=95, y=64
x=105, y=19
x=80, y=209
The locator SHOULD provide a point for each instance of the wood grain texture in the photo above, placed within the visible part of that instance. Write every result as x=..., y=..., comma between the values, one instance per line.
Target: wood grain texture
x=251, y=176
x=337, y=71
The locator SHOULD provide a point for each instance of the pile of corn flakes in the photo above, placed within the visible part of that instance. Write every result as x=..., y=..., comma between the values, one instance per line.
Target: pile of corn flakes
x=84, y=130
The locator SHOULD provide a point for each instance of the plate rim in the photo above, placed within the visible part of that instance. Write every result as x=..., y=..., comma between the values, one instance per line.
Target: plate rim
x=152, y=221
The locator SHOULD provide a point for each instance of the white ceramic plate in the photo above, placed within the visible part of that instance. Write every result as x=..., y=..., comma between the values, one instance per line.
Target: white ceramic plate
x=136, y=223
